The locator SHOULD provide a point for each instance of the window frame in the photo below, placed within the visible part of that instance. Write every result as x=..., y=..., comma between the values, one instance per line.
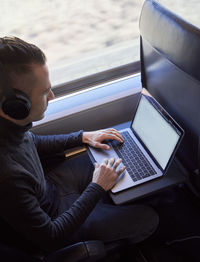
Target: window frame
x=116, y=96
x=69, y=87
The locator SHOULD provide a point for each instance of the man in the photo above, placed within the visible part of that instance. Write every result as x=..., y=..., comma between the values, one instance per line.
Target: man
x=44, y=212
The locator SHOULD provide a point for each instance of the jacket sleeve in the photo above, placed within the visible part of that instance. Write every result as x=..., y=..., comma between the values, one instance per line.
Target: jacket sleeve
x=21, y=210
x=52, y=144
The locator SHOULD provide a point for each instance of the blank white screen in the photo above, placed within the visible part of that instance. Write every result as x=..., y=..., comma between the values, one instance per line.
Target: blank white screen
x=155, y=132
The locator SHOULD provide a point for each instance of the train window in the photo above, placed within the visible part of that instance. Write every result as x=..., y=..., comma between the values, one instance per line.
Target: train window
x=188, y=10
x=79, y=37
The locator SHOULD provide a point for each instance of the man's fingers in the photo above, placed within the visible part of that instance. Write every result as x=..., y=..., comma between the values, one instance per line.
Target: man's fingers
x=121, y=170
x=101, y=146
x=117, y=163
x=111, y=162
x=114, y=134
x=105, y=161
x=96, y=165
x=103, y=135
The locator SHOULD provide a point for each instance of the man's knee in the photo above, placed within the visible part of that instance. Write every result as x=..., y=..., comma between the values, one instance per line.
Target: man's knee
x=147, y=225
x=108, y=222
x=153, y=220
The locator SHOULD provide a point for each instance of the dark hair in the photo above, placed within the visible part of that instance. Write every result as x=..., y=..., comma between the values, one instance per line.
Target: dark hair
x=17, y=56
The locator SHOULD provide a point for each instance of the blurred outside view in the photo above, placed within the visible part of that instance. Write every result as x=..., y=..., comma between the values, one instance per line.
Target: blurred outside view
x=81, y=37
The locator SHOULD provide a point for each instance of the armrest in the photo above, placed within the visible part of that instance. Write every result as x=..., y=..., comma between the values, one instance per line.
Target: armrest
x=82, y=251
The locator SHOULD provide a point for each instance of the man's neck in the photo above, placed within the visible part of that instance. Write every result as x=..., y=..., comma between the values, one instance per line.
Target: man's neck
x=23, y=122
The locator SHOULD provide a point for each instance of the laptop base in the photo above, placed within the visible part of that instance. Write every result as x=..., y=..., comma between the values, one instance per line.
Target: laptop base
x=175, y=175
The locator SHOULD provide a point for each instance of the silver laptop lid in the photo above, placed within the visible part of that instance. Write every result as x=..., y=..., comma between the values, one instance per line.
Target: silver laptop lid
x=157, y=130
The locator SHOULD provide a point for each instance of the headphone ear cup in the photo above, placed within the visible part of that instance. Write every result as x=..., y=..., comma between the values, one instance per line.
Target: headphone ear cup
x=18, y=106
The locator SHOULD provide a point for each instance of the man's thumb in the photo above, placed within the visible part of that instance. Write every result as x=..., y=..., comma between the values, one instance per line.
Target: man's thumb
x=96, y=165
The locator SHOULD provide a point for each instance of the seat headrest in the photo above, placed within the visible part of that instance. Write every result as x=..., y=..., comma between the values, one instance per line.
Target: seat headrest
x=170, y=70
x=172, y=36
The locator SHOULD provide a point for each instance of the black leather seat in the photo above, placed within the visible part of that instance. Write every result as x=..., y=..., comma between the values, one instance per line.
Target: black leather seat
x=82, y=251
x=170, y=67
x=170, y=71
x=88, y=251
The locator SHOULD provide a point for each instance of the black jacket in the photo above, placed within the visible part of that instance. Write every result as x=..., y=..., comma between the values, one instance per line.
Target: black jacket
x=27, y=204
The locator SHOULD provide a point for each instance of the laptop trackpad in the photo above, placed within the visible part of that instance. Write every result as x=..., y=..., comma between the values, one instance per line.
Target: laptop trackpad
x=124, y=181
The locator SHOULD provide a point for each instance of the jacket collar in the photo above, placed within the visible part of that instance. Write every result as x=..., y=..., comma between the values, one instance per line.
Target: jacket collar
x=11, y=132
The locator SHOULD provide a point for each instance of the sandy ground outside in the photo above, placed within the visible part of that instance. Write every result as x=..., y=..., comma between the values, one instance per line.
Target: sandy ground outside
x=68, y=30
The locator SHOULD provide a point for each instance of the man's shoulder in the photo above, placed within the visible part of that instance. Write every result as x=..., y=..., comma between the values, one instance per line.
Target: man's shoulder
x=29, y=135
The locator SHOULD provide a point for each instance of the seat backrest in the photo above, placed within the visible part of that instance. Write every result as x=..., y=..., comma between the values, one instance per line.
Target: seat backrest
x=170, y=69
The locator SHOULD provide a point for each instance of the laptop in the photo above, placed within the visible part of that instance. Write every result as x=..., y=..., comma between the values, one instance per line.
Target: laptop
x=149, y=145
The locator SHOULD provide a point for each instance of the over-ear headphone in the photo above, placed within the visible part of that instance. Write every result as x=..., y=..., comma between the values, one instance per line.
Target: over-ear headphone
x=13, y=102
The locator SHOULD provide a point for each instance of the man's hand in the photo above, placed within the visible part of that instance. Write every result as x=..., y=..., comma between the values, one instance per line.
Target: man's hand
x=95, y=138
x=105, y=174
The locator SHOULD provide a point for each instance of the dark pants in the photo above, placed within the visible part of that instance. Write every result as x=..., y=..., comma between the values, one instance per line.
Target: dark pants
x=107, y=221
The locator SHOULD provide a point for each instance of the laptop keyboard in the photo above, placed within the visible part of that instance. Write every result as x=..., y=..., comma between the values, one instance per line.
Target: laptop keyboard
x=136, y=163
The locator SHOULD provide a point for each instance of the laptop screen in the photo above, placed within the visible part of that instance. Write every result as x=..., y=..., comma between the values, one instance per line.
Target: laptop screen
x=155, y=131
